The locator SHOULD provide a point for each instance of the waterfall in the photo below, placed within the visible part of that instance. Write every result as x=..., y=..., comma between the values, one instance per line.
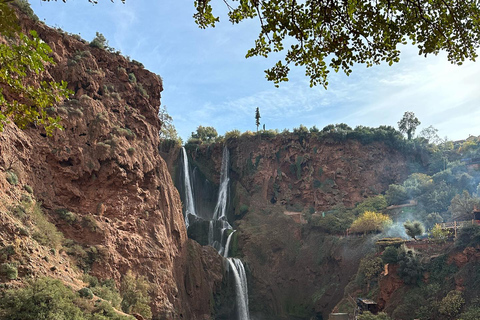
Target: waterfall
x=225, y=254
x=221, y=207
x=240, y=287
x=189, y=203
x=217, y=226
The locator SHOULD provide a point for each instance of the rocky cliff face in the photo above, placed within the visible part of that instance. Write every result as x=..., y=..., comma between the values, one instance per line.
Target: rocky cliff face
x=295, y=270
x=105, y=165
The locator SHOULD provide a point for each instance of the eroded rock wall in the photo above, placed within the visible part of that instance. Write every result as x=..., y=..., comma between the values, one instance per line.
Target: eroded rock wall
x=105, y=165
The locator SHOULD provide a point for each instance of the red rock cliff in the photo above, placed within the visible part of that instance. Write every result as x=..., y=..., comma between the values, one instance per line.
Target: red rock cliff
x=105, y=164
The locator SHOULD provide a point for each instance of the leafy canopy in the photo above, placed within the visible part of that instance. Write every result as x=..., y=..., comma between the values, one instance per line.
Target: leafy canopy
x=371, y=221
x=414, y=228
x=22, y=57
x=325, y=35
x=408, y=124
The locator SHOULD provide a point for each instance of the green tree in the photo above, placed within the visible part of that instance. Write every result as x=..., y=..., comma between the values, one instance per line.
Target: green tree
x=334, y=35
x=451, y=304
x=414, y=228
x=370, y=268
x=167, y=130
x=462, y=206
x=396, y=194
x=135, y=298
x=257, y=117
x=21, y=57
x=408, y=124
x=432, y=219
x=44, y=298
x=206, y=134
x=99, y=41
x=431, y=134
x=417, y=184
x=371, y=221
x=376, y=203
x=438, y=234
x=390, y=255
x=409, y=268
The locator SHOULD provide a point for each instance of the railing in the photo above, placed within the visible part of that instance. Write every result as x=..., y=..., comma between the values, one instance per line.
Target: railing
x=456, y=224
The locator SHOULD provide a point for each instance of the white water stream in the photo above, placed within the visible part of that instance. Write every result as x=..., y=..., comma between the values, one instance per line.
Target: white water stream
x=216, y=230
x=189, y=203
x=241, y=289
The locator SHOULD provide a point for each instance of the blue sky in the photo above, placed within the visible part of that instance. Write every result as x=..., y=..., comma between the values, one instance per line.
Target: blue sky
x=208, y=81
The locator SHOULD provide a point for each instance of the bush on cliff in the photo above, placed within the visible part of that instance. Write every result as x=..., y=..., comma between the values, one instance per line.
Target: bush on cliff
x=135, y=295
x=47, y=298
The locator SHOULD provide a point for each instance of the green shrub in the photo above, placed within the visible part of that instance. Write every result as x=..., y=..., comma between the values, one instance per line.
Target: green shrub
x=375, y=204
x=25, y=198
x=334, y=222
x=234, y=134
x=243, y=209
x=19, y=211
x=67, y=215
x=44, y=298
x=47, y=233
x=414, y=228
x=409, y=268
x=9, y=270
x=90, y=223
x=142, y=90
x=396, y=194
x=468, y=236
x=24, y=6
x=131, y=150
x=125, y=132
x=132, y=78
x=135, y=295
x=107, y=290
x=7, y=251
x=99, y=41
x=86, y=293
x=369, y=316
x=28, y=188
x=390, y=255
x=12, y=178
x=451, y=304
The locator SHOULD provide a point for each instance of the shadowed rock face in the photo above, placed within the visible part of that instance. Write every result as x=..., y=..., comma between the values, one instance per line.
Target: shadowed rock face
x=105, y=164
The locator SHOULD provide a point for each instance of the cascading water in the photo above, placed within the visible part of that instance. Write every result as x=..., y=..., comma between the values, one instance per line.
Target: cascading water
x=189, y=203
x=227, y=246
x=221, y=207
x=217, y=226
x=240, y=287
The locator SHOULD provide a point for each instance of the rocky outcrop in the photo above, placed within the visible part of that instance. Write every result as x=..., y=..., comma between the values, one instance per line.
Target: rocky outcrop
x=105, y=165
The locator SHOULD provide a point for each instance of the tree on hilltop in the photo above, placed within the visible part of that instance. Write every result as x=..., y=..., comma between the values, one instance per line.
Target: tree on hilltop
x=408, y=124
x=257, y=117
x=206, y=134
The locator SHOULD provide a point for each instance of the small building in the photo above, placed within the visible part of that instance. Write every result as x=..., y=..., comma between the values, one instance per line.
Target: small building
x=476, y=215
x=367, y=305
